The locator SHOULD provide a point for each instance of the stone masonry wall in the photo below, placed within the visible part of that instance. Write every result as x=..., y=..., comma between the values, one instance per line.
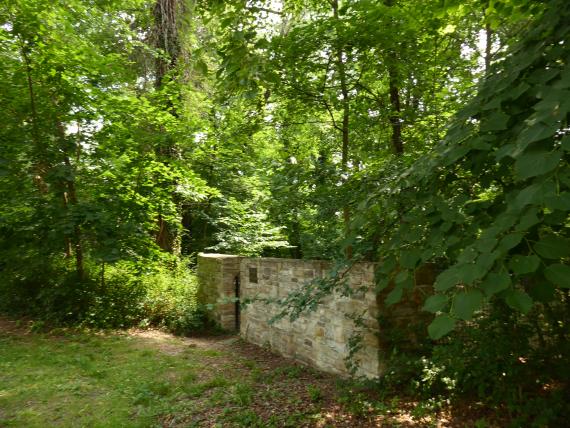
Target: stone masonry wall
x=318, y=338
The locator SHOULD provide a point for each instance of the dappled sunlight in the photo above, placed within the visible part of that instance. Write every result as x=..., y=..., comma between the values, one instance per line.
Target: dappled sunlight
x=206, y=380
x=174, y=345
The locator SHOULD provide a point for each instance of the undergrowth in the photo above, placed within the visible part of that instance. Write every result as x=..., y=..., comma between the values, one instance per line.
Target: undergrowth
x=510, y=363
x=119, y=295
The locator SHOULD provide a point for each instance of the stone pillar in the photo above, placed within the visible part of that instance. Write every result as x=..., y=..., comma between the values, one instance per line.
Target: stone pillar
x=217, y=280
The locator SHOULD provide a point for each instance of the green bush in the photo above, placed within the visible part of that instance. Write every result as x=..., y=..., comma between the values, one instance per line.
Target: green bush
x=171, y=300
x=116, y=298
x=46, y=289
x=118, y=295
x=508, y=361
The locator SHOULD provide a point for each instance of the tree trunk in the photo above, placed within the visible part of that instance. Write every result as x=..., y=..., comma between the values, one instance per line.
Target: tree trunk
x=165, y=14
x=345, y=122
x=39, y=167
x=66, y=239
x=77, y=243
x=166, y=37
x=395, y=118
x=70, y=198
x=488, y=45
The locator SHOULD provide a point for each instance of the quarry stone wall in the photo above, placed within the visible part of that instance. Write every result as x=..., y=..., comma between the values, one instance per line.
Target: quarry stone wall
x=319, y=338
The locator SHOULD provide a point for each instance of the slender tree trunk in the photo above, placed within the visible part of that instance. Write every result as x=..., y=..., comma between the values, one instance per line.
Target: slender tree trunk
x=77, y=239
x=395, y=117
x=488, y=45
x=39, y=168
x=70, y=199
x=166, y=36
x=345, y=122
x=66, y=239
x=162, y=238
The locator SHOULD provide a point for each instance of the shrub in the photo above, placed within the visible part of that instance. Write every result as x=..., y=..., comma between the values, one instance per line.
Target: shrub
x=118, y=295
x=171, y=299
x=508, y=360
x=503, y=359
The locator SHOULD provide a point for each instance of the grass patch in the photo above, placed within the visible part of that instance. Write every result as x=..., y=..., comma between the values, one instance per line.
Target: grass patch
x=87, y=380
x=150, y=379
x=196, y=390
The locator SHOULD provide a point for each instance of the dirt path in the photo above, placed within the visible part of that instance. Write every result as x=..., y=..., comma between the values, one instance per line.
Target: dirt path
x=291, y=387
x=283, y=385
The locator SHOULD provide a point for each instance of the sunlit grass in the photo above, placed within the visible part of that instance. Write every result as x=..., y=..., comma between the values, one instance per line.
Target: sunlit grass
x=152, y=379
x=90, y=380
x=134, y=380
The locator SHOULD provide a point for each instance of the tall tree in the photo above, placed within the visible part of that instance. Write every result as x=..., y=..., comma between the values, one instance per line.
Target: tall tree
x=167, y=17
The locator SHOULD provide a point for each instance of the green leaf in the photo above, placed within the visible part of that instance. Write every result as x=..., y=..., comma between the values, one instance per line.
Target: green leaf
x=504, y=150
x=519, y=90
x=558, y=274
x=410, y=258
x=536, y=163
x=435, y=303
x=440, y=326
x=487, y=260
x=467, y=255
x=455, y=153
x=447, y=279
x=524, y=264
x=536, y=132
x=528, y=220
x=510, y=241
x=496, y=122
x=468, y=273
x=486, y=245
x=495, y=283
x=559, y=202
x=388, y=265
x=467, y=302
x=542, y=291
x=519, y=301
x=529, y=195
x=394, y=296
x=401, y=277
x=553, y=247
x=543, y=75
x=382, y=283
x=505, y=220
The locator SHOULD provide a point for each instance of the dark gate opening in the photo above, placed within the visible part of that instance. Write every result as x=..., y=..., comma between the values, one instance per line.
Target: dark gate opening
x=237, y=301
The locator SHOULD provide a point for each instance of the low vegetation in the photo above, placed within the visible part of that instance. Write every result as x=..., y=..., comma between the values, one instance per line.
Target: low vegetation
x=120, y=296
x=70, y=378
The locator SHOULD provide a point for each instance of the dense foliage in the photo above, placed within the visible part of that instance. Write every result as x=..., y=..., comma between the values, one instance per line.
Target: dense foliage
x=137, y=133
